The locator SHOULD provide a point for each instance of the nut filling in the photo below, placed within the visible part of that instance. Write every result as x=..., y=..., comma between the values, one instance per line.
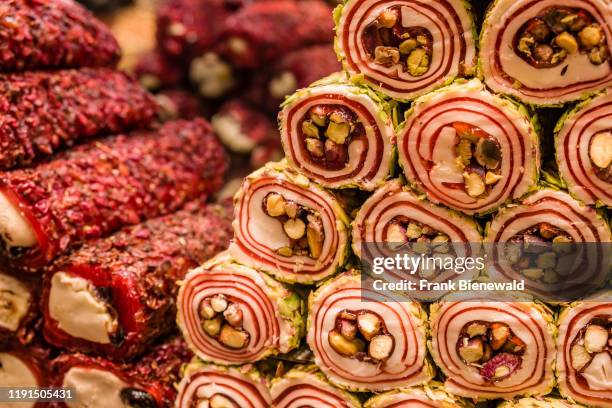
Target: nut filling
x=420, y=239
x=542, y=253
x=546, y=40
x=361, y=335
x=222, y=320
x=388, y=43
x=491, y=347
x=478, y=156
x=593, y=339
x=303, y=226
x=217, y=400
x=600, y=153
x=327, y=131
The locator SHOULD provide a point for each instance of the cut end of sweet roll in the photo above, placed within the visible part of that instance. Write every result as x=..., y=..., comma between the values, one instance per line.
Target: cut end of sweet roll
x=583, y=351
x=469, y=149
x=492, y=348
x=547, y=52
x=583, y=146
x=288, y=226
x=16, y=231
x=230, y=313
x=365, y=341
x=339, y=135
x=406, y=49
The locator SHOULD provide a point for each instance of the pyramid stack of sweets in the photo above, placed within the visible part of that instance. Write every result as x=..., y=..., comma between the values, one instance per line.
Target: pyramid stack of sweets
x=451, y=131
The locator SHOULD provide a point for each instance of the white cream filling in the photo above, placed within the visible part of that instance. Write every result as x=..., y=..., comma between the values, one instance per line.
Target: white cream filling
x=15, y=301
x=15, y=373
x=598, y=374
x=15, y=230
x=230, y=132
x=78, y=311
x=94, y=388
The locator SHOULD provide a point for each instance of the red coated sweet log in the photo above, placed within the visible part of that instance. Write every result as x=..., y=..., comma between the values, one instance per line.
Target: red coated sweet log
x=155, y=70
x=179, y=104
x=241, y=127
x=187, y=28
x=42, y=111
x=95, y=189
x=115, y=296
x=264, y=31
x=37, y=34
x=296, y=69
x=207, y=385
x=147, y=382
x=25, y=366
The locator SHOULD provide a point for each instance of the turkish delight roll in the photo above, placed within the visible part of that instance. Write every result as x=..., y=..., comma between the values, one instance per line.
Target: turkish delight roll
x=547, y=52
x=367, y=341
x=396, y=220
x=541, y=402
x=559, y=247
x=288, y=226
x=406, y=48
x=583, y=145
x=339, y=135
x=232, y=314
x=469, y=149
x=429, y=396
x=115, y=296
x=307, y=386
x=97, y=188
x=491, y=348
x=205, y=385
x=584, y=344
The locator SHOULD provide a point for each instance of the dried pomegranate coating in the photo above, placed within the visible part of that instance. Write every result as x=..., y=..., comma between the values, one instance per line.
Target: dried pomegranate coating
x=37, y=34
x=43, y=111
x=138, y=268
x=97, y=188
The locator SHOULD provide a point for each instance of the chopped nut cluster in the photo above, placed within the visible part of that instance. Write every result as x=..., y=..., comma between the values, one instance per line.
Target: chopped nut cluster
x=492, y=347
x=222, y=319
x=389, y=43
x=327, y=132
x=361, y=335
x=594, y=338
x=217, y=401
x=542, y=253
x=420, y=238
x=303, y=227
x=546, y=41
x=479, y=157
x=600, y=153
